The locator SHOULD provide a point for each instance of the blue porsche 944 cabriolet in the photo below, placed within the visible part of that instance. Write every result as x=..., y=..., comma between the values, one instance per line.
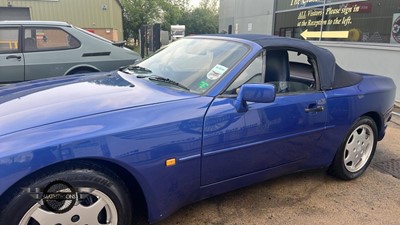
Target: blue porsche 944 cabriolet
x=205, y=115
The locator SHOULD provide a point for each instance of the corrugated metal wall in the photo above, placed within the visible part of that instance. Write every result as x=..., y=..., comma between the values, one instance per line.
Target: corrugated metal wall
x=247, y=16
x=82, y=13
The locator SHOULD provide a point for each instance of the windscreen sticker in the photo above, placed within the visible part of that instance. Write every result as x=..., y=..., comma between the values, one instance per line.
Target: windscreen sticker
x=203, y=85
x=216, y=72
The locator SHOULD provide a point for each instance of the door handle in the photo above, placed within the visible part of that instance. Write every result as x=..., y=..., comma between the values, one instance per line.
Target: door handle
x=17, y=57
x=318, y=108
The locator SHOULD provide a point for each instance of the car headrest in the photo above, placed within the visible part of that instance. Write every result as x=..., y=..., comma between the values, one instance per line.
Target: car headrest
x=277, y=66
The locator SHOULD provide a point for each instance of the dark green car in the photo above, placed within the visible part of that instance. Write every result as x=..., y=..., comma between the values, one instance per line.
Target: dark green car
x=39, y=49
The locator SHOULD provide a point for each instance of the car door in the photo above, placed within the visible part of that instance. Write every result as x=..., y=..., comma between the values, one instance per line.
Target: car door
x=267, y=135
x=11, y=58
x=48, y=51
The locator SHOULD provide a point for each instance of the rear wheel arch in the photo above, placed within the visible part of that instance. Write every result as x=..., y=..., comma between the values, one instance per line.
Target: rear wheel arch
x=137, y=195
x=357, y=149
x=378, y=122
x=82, y=69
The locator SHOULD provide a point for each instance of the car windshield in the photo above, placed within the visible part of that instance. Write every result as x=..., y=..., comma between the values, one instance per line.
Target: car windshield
x=195, y=63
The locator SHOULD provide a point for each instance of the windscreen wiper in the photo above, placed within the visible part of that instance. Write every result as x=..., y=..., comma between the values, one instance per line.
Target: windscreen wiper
x=134, y=68
x=164, y=79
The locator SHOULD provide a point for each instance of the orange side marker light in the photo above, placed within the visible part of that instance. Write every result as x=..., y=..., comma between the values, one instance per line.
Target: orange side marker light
x=170, y=162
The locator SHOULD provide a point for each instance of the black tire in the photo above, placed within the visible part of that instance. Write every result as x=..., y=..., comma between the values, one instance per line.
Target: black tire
x=339, y=168
x=82, y=174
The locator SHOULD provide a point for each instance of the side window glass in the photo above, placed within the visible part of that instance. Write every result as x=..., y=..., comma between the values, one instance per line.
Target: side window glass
x=9, y=40
x=46, y=39
x=290, y=71
x=251, y=75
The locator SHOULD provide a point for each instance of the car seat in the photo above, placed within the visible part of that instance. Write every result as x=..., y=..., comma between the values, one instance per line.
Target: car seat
x=29, y=44
x=277, y=69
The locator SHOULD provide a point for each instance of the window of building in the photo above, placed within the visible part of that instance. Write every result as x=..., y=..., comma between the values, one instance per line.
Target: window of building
x=9, y=40
x=370, y=21
x=45, y=39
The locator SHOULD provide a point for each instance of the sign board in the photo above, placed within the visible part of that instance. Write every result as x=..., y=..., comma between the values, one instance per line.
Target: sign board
x=249, y=26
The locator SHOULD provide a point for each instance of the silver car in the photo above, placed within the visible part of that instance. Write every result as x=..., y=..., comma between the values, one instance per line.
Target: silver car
x=38, y=49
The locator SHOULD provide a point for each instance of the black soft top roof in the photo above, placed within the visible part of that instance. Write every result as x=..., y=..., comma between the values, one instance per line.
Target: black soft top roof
x=329, y=78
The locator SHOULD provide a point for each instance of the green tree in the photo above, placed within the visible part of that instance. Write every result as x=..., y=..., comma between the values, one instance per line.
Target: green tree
x=182, y=4
x=212, y=5
x=172, y=12
x=137, y=13
x=201, y=20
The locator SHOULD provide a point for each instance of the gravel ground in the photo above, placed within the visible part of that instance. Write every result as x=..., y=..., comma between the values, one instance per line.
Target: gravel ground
x=309, y=198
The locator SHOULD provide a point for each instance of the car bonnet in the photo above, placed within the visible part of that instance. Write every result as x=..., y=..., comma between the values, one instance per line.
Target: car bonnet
x=32, y=104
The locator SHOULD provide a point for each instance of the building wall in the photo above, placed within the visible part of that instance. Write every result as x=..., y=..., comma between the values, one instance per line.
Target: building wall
x=373, y=58
x=246, y=16
x=226, y=14
x=88, y=14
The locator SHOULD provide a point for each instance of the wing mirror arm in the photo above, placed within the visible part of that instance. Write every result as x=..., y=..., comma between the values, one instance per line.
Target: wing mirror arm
x=261, y=93
x=241, y=105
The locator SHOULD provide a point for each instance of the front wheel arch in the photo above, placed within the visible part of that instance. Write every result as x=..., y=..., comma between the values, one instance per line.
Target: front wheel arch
x=136, y=192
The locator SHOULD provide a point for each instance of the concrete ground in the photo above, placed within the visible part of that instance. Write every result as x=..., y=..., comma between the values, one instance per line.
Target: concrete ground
x=309, y=198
